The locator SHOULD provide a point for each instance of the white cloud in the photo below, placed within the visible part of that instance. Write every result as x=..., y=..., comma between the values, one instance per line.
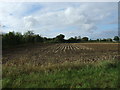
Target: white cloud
x=59, y=19
x=84, y=17
x=60, y=0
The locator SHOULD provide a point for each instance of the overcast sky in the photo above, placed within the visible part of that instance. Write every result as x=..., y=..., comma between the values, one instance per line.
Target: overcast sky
x=95, y=20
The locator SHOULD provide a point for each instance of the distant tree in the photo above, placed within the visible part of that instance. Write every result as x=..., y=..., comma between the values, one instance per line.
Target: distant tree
x=9, y=38
x=76, y=37
x=29, y=37
x=85, y=39
x=72, y=40
x=19, y=38
x=109, y=39
x=104, y=40
x=59, y=38
x=12, y=38
x=29, y=33
x=45, y=39
x=38, y=38
x=79, y=37
x=98, y=40
x=116, y=38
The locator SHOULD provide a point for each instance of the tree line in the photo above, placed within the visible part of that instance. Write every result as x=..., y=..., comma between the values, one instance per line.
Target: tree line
x=16, y=38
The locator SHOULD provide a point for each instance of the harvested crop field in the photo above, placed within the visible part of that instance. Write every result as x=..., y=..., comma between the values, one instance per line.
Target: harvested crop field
x=42, y=54
x=65, y=65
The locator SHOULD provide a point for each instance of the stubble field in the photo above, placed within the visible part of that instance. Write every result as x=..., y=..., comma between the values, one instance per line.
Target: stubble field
x=65, y=61
x=58, y=53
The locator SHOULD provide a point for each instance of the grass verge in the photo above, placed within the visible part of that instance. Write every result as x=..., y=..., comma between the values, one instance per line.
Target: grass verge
x=102, y=74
